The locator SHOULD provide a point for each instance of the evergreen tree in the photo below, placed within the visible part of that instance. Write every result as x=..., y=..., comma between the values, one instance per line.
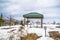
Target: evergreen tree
x=1, y=16
x=1, y=20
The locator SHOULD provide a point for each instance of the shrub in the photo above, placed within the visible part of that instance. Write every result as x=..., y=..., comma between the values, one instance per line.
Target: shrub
x=31, y=36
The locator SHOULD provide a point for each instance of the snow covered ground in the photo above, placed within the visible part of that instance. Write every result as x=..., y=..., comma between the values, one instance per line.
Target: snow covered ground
x=45, y=38
x=6, y=33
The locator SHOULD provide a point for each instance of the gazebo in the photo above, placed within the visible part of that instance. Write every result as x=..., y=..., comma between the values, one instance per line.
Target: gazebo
x=34, y=15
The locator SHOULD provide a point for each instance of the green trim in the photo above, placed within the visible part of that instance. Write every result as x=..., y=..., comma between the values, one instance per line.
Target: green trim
x=33, y=15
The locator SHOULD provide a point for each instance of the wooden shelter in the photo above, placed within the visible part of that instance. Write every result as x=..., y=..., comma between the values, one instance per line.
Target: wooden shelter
x=34, y=15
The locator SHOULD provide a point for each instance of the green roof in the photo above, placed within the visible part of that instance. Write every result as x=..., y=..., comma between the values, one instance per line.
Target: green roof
x=33, y=15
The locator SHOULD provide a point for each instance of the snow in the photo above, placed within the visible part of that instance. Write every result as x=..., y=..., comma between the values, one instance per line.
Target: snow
x=6, y=33
x=38, y=31
x=45, y=38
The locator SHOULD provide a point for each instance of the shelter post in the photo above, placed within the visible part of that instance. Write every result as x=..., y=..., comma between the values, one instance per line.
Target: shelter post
x=24, y=21
x=27, y=22
x=41, y=22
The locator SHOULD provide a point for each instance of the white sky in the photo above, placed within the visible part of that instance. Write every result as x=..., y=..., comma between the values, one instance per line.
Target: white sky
x=49, y=8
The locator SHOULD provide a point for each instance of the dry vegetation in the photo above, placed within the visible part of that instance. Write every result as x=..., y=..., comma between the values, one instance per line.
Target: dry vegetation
x=55, y=35
x=57, y=26
x=31, y=36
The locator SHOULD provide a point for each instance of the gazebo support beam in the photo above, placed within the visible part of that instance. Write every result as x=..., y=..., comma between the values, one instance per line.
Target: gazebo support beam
x=27, y=23
x=24, y=21
x=41, y=23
